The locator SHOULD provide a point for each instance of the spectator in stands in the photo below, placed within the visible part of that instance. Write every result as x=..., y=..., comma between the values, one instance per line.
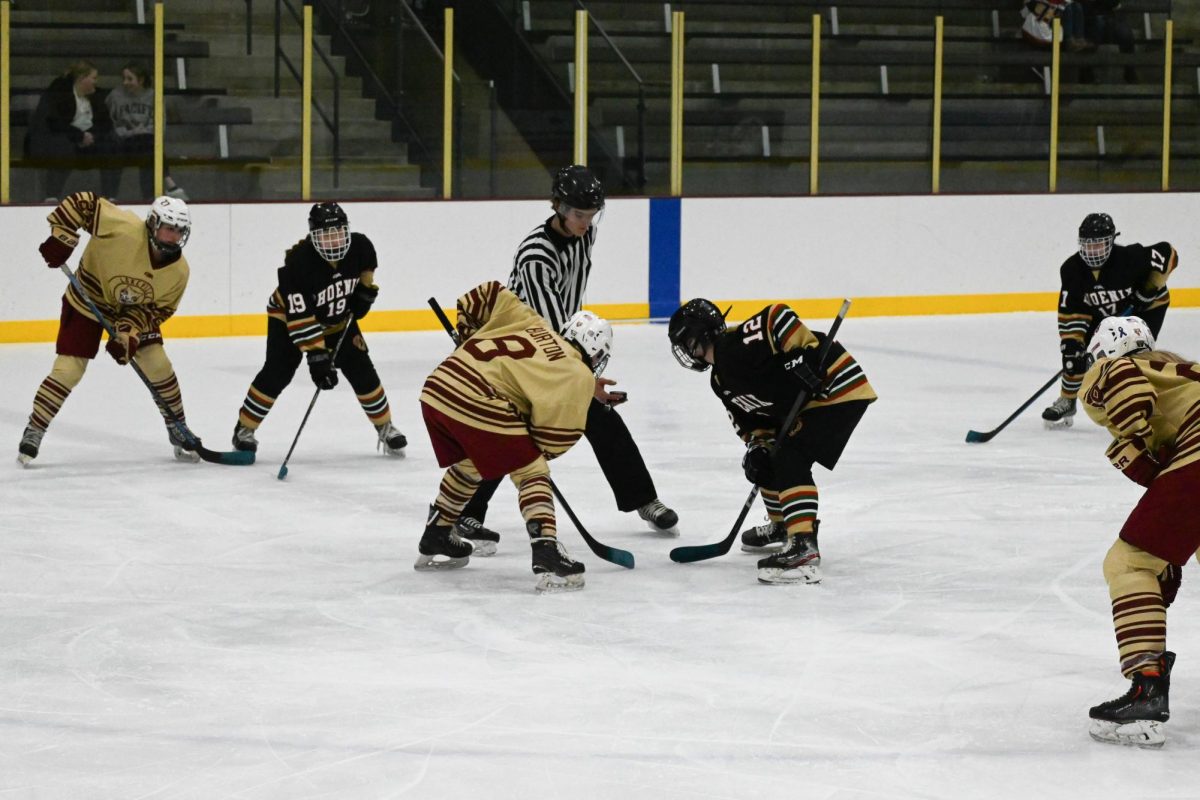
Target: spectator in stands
x=1102, y=25
x=71, y=125
x=1037, y=29
x=131, y=106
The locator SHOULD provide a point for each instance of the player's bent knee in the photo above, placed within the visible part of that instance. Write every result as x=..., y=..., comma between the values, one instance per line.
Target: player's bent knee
x=68, y=370
x=534, y=469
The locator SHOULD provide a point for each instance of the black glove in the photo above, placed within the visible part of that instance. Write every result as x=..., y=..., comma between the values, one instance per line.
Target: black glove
x=757, y=463
x=320, y=366
x=361, y=300
x=805, y=369
x=1074, y=358
x=1168, y=583
x=55, y=251
x=1142, y=298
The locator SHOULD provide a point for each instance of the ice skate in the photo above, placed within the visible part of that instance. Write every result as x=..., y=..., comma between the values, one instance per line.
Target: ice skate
x=243, y=439
x=391, y=440
x=31, y=442
x=483, y=539
x=1136, y=718
x=441, y=540
x=660, y=518
x=556, y=571
x=799, y=562
x=181, y=453
x=767, y=538
x=1060, y=414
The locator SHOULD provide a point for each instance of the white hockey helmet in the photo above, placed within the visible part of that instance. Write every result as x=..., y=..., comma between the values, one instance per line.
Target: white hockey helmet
x=1120, y=336
x=593, y=335
x=172, y=212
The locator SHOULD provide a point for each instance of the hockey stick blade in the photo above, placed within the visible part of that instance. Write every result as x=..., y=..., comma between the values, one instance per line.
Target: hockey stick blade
x=702, y=552
x=615, y=555
x=233, y=458
x=977, y=437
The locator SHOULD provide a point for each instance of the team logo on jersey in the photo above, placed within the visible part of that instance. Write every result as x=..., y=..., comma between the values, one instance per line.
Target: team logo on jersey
x=131, y=291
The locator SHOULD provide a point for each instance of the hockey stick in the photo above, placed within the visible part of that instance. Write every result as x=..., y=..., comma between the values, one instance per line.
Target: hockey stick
x=977, y=437
x=283, y=470
x=701, y=552
x=615, y=555
x=233, y=458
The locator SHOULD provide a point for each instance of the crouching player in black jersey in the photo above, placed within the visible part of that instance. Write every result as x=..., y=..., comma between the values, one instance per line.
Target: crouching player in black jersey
x=758, y=370
x=326, y=284
x=1104, y=279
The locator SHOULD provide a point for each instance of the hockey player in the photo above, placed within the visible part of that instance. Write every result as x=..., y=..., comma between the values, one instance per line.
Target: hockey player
x=1104, y=279
x=758, y=369
x=1150, y=402
x=135, y=273
x=512, y=396
x=326, y=284
x=550, y=274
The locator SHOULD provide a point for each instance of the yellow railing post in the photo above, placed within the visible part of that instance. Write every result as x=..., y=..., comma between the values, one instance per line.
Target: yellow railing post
x=581, y=86
x=1056, y=51
x=160, y=116
x=448, y=108
x=677, y=103
x=5, y=89
x=938, y=29
x=306, y=107
x=1166, y=141
x=814, y=123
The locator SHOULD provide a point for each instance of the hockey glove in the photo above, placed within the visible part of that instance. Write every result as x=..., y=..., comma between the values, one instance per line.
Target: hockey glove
x=1143, y=298
x=1074, y=357
x=321, y=368
x=1168, y=583
x=124, y=344
x=361, y=300
x=1142, y=469
x=55, y=251
x=757, y=463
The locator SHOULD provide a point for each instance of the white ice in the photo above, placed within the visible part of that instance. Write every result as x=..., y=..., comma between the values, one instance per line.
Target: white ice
x=203, y=631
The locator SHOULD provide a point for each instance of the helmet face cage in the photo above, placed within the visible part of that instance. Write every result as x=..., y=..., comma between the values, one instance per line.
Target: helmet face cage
x=1096, y=234
x=329, y=231
x=1120, y=336
x=172, y=212
x=593, y=335
x=693, y=327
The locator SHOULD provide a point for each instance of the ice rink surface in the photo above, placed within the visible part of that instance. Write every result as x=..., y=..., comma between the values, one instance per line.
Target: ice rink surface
x=203, y=631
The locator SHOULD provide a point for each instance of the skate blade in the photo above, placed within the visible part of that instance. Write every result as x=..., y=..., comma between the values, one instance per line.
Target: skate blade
x=762, y=549
x=24, y=460
x=671, y=531
x=482, y=547
x=780, y=576
x=1052, y=425
x=549, y=582
x=1142, y=733
x=387, y=451
x=186, y=456
x=426, y=563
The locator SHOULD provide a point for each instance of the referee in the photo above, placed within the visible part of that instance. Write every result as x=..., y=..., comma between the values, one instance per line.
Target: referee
x=550, y=274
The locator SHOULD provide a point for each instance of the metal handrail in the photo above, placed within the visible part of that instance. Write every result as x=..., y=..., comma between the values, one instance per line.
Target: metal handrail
x=334, y=125
x=425, y=33
x=641, y=105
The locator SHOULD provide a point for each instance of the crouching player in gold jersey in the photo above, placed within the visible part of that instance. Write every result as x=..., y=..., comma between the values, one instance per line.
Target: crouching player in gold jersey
x=1150, y=401
x=135, y=273
x=513, y=395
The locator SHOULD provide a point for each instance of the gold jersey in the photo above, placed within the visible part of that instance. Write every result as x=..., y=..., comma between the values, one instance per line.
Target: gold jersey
x=116, y=270
x=512, y=375
x=1148, y=401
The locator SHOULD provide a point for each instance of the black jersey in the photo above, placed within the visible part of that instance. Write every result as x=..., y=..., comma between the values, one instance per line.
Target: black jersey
x=550, y=272
x=757, y=390
x=313, y=297
x=1089, y=295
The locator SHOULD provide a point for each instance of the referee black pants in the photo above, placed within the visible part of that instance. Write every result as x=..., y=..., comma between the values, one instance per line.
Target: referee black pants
x=617, y=454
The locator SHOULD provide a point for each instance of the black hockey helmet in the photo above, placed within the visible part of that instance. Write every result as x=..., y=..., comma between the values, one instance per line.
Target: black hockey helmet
x=1096, y=234
x=329, y=230
x=694, y=325
x=577, y=186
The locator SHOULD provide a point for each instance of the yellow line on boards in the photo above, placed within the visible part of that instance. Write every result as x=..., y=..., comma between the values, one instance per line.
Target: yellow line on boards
x=423, y=320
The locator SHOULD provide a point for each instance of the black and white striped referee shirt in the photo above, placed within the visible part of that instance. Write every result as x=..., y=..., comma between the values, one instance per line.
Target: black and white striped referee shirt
x=550, y=272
